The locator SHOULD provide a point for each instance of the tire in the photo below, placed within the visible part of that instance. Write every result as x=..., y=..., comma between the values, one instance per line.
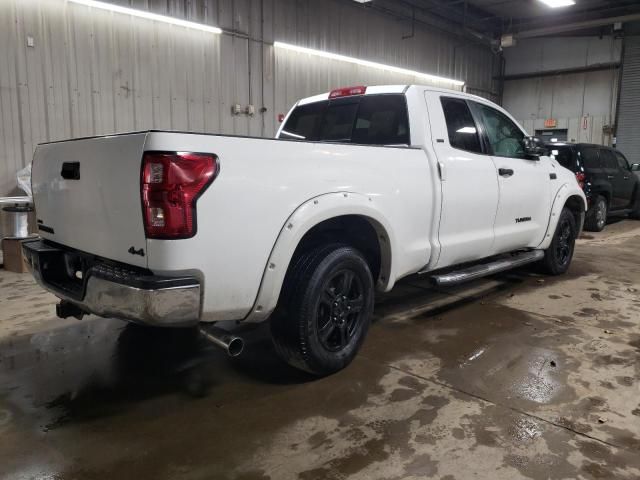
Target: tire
x=597, y=215
x=558, y=256
x=325, y=309
x=635, y=213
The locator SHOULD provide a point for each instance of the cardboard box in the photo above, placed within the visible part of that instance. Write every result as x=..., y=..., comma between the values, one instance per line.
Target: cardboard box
x=14, y=260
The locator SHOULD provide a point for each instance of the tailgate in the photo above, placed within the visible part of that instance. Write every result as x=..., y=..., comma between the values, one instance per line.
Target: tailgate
x=87, y=195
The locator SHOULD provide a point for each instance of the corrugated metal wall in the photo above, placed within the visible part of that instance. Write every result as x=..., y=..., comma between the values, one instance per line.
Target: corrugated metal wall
x=628, y=131
x=94, y=72
x=583, y=102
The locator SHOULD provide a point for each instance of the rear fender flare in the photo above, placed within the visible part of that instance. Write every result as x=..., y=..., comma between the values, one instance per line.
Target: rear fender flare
x=304, y=218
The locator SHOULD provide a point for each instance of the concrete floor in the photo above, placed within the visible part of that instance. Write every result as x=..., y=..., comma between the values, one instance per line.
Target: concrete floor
x=517, y=376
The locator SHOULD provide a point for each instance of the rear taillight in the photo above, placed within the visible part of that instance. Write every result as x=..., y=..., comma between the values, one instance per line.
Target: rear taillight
x=170, y=186
x=581, y=177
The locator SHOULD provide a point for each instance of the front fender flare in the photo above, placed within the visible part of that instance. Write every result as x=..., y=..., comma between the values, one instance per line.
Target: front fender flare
x=303, y=219
x=565, y=192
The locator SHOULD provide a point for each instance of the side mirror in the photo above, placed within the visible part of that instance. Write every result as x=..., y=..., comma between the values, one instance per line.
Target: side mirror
x=533, y=148
x=635, y=167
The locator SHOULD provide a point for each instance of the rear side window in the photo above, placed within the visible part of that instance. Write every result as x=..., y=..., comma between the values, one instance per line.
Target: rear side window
x=565, y=157
x=590, y=157
x=608, y=159
x=462, y=130
x=368, y=119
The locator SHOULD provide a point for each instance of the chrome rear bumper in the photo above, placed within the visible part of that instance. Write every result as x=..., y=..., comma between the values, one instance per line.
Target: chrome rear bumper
x=110, y=290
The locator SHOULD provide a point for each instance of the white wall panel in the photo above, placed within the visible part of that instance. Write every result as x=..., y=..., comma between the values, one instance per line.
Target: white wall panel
x=548, y=54
x=567, y=99
x=94, y=72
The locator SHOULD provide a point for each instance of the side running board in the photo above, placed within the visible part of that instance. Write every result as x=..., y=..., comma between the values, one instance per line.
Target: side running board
x=497, y=265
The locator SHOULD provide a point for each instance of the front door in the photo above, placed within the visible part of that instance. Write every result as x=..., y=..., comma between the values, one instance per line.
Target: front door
x=525, y=202
x=468, y=179
x=623, y=182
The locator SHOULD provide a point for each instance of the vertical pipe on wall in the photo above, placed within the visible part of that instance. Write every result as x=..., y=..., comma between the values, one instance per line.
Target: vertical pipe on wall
x=262, y=106
x=620, y=73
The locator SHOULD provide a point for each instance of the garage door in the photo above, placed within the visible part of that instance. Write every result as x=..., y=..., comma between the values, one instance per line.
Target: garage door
x=629, y=113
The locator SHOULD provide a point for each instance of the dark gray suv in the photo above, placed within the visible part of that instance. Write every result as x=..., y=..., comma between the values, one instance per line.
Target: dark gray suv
x=608, y=180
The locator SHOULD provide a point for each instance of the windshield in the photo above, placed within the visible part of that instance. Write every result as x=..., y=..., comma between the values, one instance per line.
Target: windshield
x=368, y=120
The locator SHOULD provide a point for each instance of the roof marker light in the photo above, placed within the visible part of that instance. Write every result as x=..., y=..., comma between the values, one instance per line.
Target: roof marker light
x=147, y=15
x=367, y=63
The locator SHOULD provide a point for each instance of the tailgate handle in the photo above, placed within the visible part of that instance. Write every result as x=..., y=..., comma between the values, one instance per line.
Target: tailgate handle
x=70, y=170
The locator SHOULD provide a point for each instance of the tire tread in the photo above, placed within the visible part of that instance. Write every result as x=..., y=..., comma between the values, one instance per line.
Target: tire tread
x=288, y=334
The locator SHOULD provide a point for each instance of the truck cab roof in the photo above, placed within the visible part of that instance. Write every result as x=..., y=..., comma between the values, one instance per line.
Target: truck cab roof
x=378, y=90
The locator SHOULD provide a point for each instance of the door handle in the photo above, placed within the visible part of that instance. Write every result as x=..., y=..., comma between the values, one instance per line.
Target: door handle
x=626, y=178
x=70, y=171
x=505, y=172
x=610, y=177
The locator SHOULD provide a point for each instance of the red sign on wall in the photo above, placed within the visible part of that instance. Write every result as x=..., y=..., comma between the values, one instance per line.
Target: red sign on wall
x=550, y=123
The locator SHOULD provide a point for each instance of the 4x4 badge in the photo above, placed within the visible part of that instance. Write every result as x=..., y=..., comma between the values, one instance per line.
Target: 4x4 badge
x=133, y=251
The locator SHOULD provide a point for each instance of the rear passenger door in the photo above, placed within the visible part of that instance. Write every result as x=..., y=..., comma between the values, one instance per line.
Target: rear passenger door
x=468, y=178
x=596, y=180
x=525, y=199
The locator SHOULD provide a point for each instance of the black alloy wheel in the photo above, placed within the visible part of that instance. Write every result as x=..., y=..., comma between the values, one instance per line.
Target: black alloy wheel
x=324, y=310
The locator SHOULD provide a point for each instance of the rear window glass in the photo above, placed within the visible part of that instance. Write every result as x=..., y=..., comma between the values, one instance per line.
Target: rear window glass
x=337, y=122
x=304, y=121
x=369, y=120
x=565, y=156
x=590, y=157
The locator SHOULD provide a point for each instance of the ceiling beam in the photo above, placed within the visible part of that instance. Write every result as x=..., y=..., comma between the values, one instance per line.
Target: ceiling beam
x=571, y=27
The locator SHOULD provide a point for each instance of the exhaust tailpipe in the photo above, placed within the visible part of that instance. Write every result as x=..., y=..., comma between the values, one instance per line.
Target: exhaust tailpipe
x=221, y=338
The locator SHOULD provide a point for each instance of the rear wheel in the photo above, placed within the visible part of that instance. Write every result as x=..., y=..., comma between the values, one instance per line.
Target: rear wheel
x=558, y=256
x=635, y=213
x=325, y=309
x=597, y=215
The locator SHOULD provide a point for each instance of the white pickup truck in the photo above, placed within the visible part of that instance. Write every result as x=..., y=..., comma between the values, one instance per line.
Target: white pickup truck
x=361, y=187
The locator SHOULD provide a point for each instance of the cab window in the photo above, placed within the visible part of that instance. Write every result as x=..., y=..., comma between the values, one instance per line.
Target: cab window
x=622, y=161
x=505, y=137
x=461, y=128
x=369, y=120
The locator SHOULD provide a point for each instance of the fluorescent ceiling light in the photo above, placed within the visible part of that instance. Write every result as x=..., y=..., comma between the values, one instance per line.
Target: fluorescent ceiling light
x=148, y=15
x=558, y=3
x=366, y=63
